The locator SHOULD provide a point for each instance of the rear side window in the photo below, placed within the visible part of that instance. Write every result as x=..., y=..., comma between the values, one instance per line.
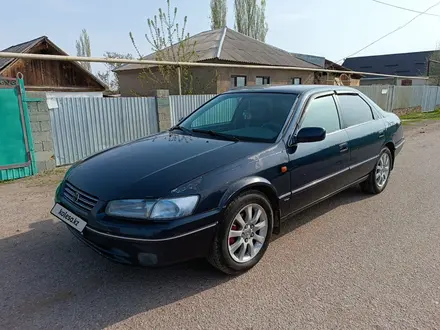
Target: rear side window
x=354, y=110
x=322, y=112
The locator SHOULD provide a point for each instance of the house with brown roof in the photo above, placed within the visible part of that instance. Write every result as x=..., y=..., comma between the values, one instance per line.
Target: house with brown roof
x=217, y=46
x=49, y=76
x=331, y=78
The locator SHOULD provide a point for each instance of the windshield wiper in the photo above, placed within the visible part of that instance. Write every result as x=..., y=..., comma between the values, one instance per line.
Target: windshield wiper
x=214, y=133
x=181, y=128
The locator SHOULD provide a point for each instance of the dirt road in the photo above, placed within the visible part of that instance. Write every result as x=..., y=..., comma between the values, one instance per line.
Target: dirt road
x=352, y=262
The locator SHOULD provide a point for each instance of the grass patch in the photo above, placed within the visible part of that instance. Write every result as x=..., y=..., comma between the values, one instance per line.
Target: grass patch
x=51, y=177
x=419, y=116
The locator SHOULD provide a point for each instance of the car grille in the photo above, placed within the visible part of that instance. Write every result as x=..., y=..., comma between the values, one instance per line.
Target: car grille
x=79, y=198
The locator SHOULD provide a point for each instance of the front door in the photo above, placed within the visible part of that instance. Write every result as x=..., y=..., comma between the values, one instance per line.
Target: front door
x=317, y=169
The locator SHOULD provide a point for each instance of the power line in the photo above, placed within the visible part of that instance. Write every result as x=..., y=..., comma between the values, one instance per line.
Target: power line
x=390, y=33
x=403, y=8
x=47, y=57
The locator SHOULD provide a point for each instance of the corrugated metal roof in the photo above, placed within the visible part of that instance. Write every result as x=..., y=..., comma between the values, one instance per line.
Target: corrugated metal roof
x=232, y=47
x=317, y=60
x=20, y=48
x=404, y=64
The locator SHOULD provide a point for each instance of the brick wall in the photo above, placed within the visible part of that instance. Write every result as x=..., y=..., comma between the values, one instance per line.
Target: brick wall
x=204, y=80
x=138, y=83
x=41, y=131
x=277, y=77
x=163, y=109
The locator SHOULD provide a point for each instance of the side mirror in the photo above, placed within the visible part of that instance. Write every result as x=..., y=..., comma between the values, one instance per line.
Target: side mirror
x=309, y=134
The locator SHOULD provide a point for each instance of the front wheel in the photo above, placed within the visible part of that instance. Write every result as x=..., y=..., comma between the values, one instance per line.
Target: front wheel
x=243, y=235
x=378, y=178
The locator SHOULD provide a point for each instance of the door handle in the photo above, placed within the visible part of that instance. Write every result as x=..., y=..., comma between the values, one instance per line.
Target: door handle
x=343, y=147
x=381, y=134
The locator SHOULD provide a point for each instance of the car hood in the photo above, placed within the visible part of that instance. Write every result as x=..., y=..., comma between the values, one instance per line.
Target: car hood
x=153, y=166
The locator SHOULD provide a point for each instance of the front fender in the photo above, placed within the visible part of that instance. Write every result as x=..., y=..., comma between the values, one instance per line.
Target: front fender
x=246, y=183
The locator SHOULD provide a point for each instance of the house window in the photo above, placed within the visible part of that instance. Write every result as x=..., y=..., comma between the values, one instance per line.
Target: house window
x=296, y=81
x=262, y=81
x=238, y=81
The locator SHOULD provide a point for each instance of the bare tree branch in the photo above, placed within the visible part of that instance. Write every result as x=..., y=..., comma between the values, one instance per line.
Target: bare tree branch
x=169, y=41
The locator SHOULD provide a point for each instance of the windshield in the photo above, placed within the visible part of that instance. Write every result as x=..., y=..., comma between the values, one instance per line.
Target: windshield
x=245, y=116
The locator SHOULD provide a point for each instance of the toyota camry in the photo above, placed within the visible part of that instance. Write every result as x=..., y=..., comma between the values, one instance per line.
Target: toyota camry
x=224, y=179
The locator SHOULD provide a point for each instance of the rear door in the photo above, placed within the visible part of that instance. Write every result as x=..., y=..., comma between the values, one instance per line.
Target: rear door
x=366, y=133
x=318, y=168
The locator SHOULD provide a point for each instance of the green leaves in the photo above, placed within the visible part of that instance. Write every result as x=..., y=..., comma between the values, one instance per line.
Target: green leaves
x=250, y=18
x=218, y=14
x=83, y=49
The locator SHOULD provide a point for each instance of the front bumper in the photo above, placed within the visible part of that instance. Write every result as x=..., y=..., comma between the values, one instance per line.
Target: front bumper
x=149, y=252
x=144, y=243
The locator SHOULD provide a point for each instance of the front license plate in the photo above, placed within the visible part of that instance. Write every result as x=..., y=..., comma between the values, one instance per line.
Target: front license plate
x=68, y=217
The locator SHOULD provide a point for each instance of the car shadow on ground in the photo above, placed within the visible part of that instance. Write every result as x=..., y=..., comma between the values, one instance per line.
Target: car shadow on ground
x=351, y=195
x=51, y=280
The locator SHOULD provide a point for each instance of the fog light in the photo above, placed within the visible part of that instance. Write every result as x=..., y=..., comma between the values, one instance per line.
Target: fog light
x=147, y=259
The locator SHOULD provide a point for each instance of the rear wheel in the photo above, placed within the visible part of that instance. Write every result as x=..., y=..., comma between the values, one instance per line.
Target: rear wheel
x=378, y=178
x=244, y=234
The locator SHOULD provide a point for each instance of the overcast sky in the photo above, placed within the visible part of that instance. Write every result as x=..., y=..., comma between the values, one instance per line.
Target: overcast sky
x=333, y=29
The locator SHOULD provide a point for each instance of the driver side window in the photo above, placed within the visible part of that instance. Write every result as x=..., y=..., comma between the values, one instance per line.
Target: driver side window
x=322, y=112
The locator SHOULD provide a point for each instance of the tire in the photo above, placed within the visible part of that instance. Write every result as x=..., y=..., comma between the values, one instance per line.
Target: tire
x=221, y=255
x=376, y=186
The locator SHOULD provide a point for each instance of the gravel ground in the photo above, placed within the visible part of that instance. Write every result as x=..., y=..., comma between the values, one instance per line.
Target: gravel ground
x=352, y=262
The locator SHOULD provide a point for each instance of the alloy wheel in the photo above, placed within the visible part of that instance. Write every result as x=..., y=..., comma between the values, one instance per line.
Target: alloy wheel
x=247, y=233
x=383, y=170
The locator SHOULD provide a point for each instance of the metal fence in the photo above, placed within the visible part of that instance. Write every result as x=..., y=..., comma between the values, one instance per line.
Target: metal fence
x=84, y=126
x=391, y=98
x=183, y=105
x=388, y=97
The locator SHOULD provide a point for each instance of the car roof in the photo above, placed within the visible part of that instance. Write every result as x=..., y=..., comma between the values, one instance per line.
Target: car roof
x=292, y=89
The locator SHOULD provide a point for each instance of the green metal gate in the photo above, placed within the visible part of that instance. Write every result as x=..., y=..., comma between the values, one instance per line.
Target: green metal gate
x=16, y=146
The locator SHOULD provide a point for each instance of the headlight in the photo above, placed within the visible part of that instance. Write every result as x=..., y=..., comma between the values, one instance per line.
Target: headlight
x=153, y=209
x=174, y=208
x=130, y=208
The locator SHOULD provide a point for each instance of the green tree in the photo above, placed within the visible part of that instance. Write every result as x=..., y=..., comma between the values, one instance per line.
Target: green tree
x=83, y=48
x=169, y=41
x=250, y=18
x=218, y=14
x=107, y=76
